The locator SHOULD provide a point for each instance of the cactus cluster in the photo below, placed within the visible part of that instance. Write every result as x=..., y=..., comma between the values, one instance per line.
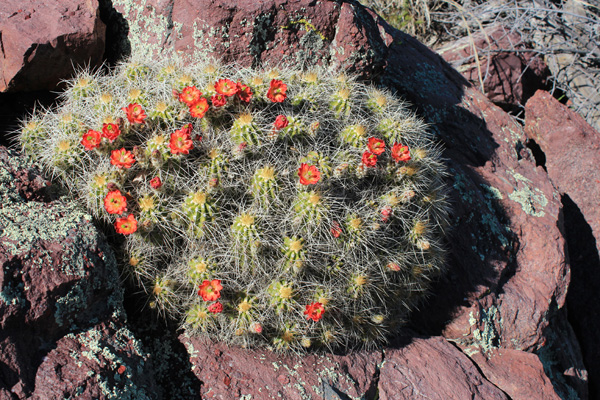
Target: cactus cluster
x=283, y=208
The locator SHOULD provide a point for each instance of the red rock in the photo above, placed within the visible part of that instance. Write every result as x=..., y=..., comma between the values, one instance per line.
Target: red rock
x=41, y=42
x=267, y=375
x=434, y=369
x=272, y=33
x=503, y=367
x=103, y=362
x=510, y=73
x=57, y=271
x=571, y=148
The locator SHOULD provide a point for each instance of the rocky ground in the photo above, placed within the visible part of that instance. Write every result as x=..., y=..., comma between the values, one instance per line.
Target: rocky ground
x=515, y=317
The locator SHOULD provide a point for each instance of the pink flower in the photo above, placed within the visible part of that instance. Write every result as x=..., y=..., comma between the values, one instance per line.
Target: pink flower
x=376, y=146
x=215, y=308
x=155, y=182
x=218, y=100
x=369, y=159
x=314, y=311
x=276, y=91
x=400, y=152
x=309, y=174
x=91, y=139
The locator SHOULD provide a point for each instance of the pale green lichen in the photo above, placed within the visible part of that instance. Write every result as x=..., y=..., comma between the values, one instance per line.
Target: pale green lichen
x=532, y=200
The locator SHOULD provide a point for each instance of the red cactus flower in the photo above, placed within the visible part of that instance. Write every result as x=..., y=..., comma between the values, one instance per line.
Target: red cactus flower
x=135, y=113
x=369, y=159
x=309, y=174
x=115, y=202
x=215, y=308
x=281, y=122
x=226, y=87
x=218, y=100
x=122, y=158
x=91, y=139
x=198, y=109
x=314, y=311
x=336, y=229
x=155, y=182
x=210, y=290
x=400, y=152
x=376, y=146
x=126, y=226
x=244, y=92
x=276, y=91
x=181, y=141
x=111, y=131
x=190, y=95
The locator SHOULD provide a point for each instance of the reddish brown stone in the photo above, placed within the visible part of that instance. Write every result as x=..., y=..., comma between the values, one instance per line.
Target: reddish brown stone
x=506, y=367
x=571, y=148
x=41, y=42
x=510, y=72
x=103, y=362
x=232, y=372
x=432, y=368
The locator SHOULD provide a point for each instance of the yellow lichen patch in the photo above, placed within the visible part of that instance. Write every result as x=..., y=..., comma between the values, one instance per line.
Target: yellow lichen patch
x=146, y=203
x=246, y=220
x=199, y=198
x=245, y=119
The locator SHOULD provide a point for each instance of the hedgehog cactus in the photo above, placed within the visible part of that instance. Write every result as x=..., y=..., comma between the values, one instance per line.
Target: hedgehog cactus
x=284, y=208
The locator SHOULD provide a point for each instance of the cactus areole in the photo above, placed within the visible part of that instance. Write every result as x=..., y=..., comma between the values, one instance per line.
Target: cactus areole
x=283, y=208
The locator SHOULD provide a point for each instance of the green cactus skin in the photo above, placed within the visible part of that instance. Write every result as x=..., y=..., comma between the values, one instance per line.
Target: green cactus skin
x=361, y=241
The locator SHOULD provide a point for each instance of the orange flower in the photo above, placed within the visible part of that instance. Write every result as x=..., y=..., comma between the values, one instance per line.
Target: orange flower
x=376, y=146
x=135, y=113
x=314, y=311
x=281, y=122
x=309, y=174
x=181, y=141
x=226, y=87
x=198, y=109
x=122, y=158
x=244, y=92
x=126, y=226
x=218, y=100
x=400, y=152
x=215, y=308
x=115, y=202
x=111, y=131
x=210, y=290
x=369, y=159
x=336, y=230
x=91, y=139
x=190, y=95
x=155, y=182
x=276, y=91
